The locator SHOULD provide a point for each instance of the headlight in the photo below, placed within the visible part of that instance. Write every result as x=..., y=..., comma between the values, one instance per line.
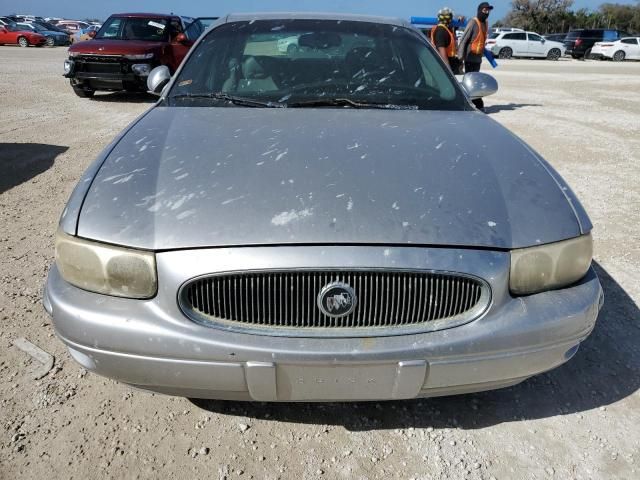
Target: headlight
x=106, y=269
x=141, y=69
x=550, y=266
x=68, y=66
x=74, y=54
x=142, y=56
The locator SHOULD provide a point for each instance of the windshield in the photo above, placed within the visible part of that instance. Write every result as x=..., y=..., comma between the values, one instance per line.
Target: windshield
x=328, y=63
x=148, y=29
x=37, y=28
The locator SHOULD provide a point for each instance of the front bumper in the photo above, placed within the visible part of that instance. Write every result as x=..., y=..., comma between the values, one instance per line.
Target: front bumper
x=122, y=79
x=152, y=345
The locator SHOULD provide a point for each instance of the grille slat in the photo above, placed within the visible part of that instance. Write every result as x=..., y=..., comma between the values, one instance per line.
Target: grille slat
x=389, y=299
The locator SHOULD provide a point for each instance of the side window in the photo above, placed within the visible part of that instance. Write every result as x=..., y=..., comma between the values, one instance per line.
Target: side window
x=630, y=41
x=508, y=36
x=176, y=27
x=194, y=30
x=534, y=38
x=519, y=36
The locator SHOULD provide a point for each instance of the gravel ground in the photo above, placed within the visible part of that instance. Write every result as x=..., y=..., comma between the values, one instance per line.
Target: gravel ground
x=579, y=421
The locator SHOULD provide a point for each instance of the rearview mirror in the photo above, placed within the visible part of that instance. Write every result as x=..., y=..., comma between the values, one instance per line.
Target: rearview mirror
x=478, y=85
x=158, y=79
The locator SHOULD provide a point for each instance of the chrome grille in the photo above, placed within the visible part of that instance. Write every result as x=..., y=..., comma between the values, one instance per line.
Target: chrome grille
x=288, y=299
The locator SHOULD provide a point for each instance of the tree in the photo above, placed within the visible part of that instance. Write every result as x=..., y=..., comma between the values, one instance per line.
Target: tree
x=545, y=16
x=538, y=15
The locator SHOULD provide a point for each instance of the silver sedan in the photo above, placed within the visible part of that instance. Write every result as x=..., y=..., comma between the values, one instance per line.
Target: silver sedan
x=332, y=223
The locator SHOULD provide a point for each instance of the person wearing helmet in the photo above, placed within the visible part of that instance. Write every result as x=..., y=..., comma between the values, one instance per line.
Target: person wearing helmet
x=471, y=48
x=444, y=39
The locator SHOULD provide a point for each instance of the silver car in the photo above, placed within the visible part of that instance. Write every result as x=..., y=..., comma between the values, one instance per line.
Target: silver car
x=338, y=224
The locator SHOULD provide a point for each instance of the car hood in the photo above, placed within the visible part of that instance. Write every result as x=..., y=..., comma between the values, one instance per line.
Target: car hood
x=197, y=177
x=553, y=43
x=115, y=47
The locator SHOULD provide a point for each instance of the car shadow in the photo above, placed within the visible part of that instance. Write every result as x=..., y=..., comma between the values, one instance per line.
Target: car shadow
x=604, y=371
x=20, y=162
x=125, y=97
x=509, y=107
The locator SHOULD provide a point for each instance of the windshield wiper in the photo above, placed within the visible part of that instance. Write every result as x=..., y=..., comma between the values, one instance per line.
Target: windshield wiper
x=346, y=102
x=242, y=101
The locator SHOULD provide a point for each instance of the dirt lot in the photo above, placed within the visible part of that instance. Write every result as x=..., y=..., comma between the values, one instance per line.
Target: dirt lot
x=579, y=421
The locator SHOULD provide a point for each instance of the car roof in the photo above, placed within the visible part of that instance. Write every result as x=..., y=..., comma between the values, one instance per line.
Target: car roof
x=238, y=17
x=145, y=15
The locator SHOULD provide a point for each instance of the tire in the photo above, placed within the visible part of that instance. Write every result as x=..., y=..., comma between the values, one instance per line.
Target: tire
x=574, y=56
x=23, y=42
x=50, y=42
x=292, y=49
x=82, y=92
x=554, y=54
x=505, y=53
x=618, y=56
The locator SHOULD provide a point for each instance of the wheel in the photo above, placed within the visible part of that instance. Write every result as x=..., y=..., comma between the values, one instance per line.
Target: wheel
x=505, y=52
x=23, y=42
x=82, y=92
x=618, y=56
x=50, y=42
x=292, y=49
x=574, y=56
x=554, y=54
x=587, y=54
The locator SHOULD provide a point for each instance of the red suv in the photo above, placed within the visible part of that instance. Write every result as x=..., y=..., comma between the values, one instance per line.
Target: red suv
x=126, y=49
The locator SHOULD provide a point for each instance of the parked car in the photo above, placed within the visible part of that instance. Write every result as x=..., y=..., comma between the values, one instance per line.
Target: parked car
x=6, y=21
x=311, y=228
x=524, y=44
x=579, y=42
x=288, y=45
x=85, y=34
x=15, y=35
x=71, y=26
x=624, y=49
x=52, y=38
x=51, y=27
x=125, y=49
x=555, y=37
x=506, y=30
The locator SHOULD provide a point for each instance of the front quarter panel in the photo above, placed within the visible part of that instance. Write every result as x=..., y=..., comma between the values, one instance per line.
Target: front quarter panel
x=69, y=218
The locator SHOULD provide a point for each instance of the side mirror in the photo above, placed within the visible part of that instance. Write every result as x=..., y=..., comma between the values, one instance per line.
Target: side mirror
x=543, y=40
x=181, y=38
x=158, y=79
x=3, y=30
x=478, y=85
x=92, y=33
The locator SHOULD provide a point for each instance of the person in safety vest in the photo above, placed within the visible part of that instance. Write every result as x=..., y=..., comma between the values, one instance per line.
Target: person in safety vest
x=471, y=48
x=444, y=39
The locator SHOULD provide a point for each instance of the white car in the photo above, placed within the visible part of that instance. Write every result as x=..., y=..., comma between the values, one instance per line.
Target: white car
x=524, y=44
x=623, y=49
x=288, y=45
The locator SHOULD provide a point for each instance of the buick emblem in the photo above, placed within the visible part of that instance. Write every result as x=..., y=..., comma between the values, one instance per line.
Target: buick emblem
x=337, y=300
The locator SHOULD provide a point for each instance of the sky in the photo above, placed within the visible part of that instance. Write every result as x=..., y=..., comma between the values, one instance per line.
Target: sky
x=80, y=9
